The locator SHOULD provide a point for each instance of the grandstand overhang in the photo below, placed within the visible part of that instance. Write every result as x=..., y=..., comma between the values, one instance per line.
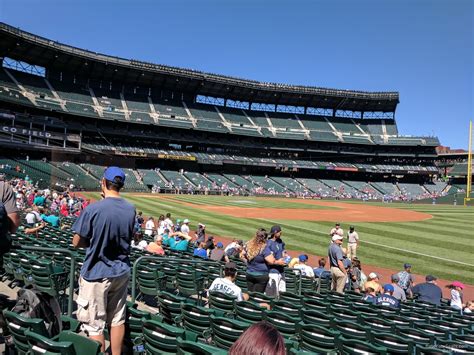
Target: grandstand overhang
x=54, y=56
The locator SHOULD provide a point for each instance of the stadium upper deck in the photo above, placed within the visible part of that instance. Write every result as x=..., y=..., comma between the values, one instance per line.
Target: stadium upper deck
x=114, y=97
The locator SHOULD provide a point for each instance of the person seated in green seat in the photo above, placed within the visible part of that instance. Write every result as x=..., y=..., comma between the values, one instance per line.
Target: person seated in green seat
x=52, y=218
x=166, y=237
x=179, y=241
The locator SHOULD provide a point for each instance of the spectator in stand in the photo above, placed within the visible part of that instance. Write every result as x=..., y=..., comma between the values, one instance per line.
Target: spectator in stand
x=337, y=230
x=31, y=197
x=51, y=218
x=150, y=226
x=235, y=251
x=407, y=280
x=276, y=270
x=398, y=292
x=139, y=221
x=374, y=282
x=177, y=226
x=354, y=276
x=105, y=228
x=338, y=270
x=166, y=237
x=227, y=284
x=256, y=254
x=218, y=254
x=352, y=243
x=306, y=270
x=428, y=291
x=179, y=241
x=201, y=233
x=469, y=307
x=64, y=210
x=231, y=245
x=156, y=247
x=168, y=222
x=260, y=338
x=161, y=225
x=39, y=199
x=200, y=251
x=386, y=298
x=138, y=242
x=456, y=301
x=33, y=216
x=9, y=217
x=370, y=295
x=320, y=271
x=185, y=227
x=209, y=245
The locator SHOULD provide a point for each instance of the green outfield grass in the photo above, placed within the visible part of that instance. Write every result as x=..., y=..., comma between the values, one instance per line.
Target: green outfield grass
x=443, y=245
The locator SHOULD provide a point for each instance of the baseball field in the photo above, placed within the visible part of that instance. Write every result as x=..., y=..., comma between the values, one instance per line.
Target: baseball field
x=435, y=239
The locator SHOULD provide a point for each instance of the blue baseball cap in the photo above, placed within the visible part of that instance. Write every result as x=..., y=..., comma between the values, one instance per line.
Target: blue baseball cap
x=303, y=257
x=388, y=287
x=112, y=172
x=220, y=245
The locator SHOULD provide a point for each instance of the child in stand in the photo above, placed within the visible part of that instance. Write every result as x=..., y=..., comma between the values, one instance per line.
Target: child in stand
x=456, y=295
x=469, y=307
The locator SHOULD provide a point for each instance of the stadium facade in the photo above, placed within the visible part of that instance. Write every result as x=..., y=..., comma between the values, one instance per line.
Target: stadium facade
x=82, y=110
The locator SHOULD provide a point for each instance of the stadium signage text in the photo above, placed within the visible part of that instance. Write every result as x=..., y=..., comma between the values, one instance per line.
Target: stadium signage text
x=176, y=157
x=26, y=132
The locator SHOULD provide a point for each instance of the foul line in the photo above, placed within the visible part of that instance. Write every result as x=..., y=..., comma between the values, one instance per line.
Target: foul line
x=384, y=246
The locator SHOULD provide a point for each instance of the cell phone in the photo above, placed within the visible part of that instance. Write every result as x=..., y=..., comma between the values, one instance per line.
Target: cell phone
x=102, y=195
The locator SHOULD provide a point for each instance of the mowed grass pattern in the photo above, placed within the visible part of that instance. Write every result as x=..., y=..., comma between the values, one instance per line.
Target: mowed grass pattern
x=446, y=240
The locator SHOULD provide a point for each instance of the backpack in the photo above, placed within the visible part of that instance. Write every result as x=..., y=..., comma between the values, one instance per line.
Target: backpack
x=32, y=303
x=5, y=240
x=405, y=280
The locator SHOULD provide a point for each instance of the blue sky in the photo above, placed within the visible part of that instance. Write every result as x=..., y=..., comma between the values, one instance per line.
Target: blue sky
x=420, y=48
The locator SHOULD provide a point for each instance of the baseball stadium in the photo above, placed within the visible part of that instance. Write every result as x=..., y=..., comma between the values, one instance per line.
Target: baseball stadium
x=226, y=156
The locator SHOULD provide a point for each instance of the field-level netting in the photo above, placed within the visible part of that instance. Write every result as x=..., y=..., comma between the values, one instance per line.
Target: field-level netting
x=442, y=245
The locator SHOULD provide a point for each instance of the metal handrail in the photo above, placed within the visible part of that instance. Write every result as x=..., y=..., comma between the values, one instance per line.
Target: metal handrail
x=72, y=270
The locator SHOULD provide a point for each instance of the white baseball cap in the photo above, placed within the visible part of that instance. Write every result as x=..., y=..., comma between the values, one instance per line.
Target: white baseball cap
x=336, y=237
x=373, y=275
x=186, y=221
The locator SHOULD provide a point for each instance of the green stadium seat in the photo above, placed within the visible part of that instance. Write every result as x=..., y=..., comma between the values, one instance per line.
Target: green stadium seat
x=351, y=330
x=283, y=322
x=395, y=344
x=161, y=338
x=259, y=297
x=225, y=331
x=187, y=347
x=222, y=302
x=312, y=316
x=195, y=318
x=248, y=311
x=420, y=337
x=316, y=338
x=67, y=343
x=352, y=346
x=290, y=308
x=18, y=326
x=316, y=304
x=169, y=306
x=430, y=350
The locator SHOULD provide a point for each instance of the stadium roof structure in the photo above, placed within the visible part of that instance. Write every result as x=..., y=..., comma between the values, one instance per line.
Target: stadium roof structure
x=36, y=50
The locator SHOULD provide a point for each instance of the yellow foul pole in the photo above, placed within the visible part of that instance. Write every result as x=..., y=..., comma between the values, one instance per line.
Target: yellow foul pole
x=469, y=165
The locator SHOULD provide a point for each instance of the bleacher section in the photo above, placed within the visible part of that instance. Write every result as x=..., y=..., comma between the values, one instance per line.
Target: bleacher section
x=151, y=177
x=167, y=313
x=87, y=177
x=412, y=191
x=76, y=98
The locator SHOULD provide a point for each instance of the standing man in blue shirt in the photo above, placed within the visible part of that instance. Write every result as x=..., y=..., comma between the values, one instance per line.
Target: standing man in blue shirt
x=276, y=247
x=105, y=228
x=336, y=258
